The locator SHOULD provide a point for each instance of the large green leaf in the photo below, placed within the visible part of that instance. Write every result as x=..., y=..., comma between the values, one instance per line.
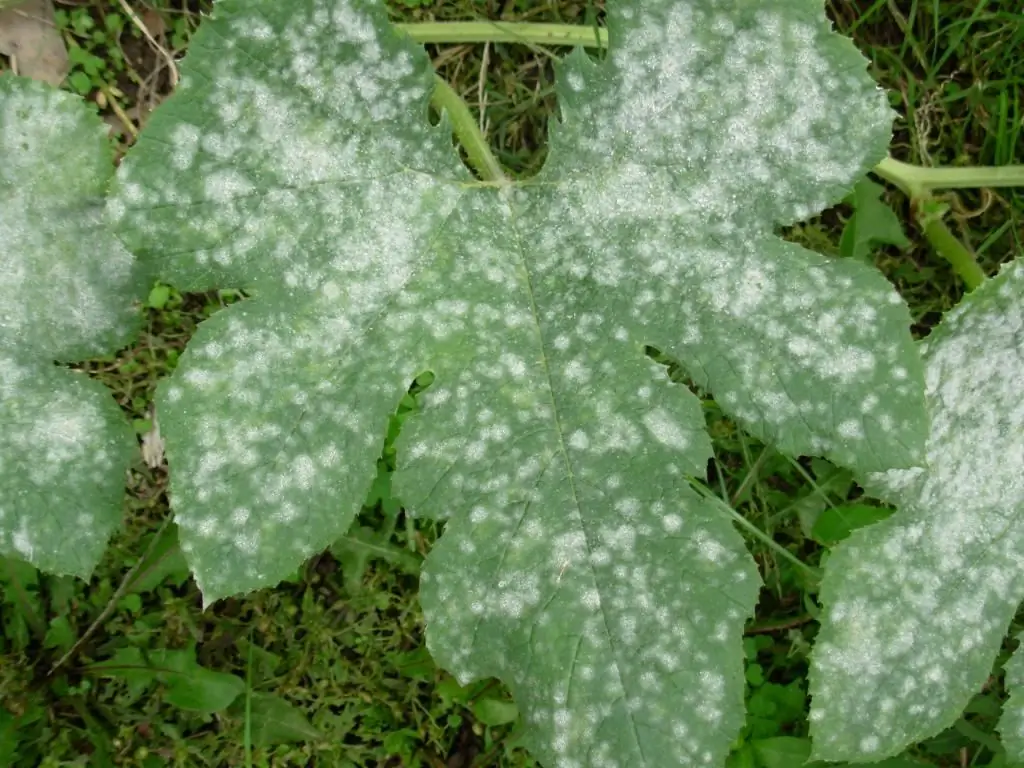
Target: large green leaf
x=917, y=606
x=296, y=160
x=66, y=291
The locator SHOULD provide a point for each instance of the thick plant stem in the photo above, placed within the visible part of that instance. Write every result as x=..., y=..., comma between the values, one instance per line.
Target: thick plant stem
x=506, y=32
x=949, y=247
x=467, y=132
x=915, y=180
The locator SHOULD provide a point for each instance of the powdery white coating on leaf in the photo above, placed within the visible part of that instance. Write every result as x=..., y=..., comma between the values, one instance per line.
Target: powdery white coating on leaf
x=1011, y=724
x=917, y=606
x=290, y=166
x=267, y=459
x=66, y=292
x=708, y=124
x=296, y=159
x=66, y=285
x=64, y=447
x=280, y=165
x=738, y=99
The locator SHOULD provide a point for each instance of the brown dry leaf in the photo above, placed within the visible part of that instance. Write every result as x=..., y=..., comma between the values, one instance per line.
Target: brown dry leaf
x=29, y=36
x=154, y=21
x=153, y=443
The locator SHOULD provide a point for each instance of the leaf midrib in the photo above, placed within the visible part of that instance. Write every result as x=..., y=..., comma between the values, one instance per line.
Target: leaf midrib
x=570, y=474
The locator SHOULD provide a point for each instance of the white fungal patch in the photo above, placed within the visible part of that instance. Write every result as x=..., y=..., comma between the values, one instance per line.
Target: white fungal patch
x=63, y=452
x=66, y=283
x=917, y=606
x=666, y=429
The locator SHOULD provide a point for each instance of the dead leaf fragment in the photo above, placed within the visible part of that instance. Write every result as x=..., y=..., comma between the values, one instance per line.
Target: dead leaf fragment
x=29, y=36
x=153, y=444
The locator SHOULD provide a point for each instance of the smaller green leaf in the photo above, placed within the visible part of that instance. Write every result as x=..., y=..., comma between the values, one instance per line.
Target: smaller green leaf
x=9, y=732
x=80, y=82
x=130, y=603
x=362, y=544
x=264, y=663
x=494, y=712
x=158, y=296
x=836, y=523
x=829, y=480
x=1011, y=724
x=204, y=690
x=742, y=758
x=781, y=752
x=416, y=664
x=755, y=675
x=192, y=687
x=21, y=610
x=771, y=707
x=165, y=563
x=873, y=223
x=274, y=720
x=60, y=634
x=129, y=665
x=451, y=692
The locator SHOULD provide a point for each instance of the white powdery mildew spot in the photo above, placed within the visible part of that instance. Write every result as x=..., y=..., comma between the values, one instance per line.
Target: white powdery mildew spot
x=64, y=280
x=666, y=429
x=917, y=606
x=60, y=472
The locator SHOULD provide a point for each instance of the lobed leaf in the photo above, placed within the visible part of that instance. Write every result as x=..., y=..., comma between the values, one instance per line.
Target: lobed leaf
x=917, y=605
x=66, y=293
x=295, y=160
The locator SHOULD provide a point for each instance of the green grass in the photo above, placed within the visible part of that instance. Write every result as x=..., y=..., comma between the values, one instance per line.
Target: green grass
x=342, y=642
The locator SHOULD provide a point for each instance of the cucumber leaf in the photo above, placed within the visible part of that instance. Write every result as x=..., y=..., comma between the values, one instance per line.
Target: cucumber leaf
x=296, y=161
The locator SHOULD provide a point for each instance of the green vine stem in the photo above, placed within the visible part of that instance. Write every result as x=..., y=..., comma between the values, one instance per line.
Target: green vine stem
x=916, y=181
x=526, y=33
x=948, y=245
x=468, y=133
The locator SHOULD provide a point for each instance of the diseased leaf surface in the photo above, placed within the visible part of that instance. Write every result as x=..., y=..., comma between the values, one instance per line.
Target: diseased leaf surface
x=66, y=291
x=296, y=160
x=917, y=606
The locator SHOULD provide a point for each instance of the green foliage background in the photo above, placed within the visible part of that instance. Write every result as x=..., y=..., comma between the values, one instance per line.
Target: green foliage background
x=336, y=654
